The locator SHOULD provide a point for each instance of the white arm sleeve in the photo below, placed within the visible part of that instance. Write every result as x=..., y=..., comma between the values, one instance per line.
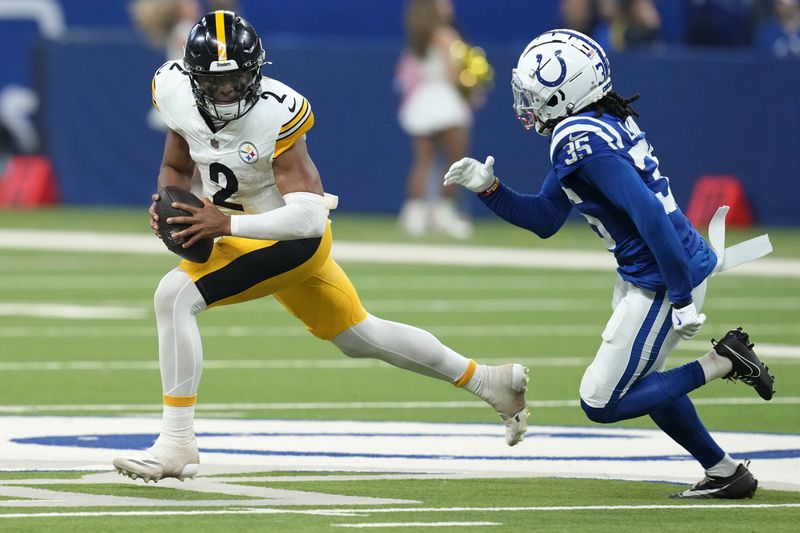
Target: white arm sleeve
x=304, y=216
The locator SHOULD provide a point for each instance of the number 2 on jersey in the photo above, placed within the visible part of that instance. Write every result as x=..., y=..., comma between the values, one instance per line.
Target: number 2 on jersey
x=228, y=190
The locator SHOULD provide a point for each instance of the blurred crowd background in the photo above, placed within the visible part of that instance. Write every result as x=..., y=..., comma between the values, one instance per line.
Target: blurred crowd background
x=718, y=82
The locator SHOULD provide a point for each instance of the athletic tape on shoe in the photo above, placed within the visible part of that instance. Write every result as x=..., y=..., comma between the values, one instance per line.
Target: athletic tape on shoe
x=738, y=254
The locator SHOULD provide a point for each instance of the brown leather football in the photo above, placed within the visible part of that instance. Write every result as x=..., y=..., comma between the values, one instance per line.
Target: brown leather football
x=200, y=251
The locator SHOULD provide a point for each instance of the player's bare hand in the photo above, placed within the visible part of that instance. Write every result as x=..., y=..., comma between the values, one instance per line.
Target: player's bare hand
x=153, y=215
x=205, y=222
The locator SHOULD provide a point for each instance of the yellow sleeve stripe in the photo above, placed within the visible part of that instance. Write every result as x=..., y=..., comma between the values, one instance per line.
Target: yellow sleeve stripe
x=153, y=91
x=222, y=45
x=297, y=119
x=283, y=144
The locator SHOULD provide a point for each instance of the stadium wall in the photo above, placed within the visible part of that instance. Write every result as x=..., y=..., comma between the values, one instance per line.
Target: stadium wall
x=705, y=113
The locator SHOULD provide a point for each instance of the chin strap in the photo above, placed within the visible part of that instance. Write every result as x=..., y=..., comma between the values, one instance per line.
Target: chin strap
x=738, y=254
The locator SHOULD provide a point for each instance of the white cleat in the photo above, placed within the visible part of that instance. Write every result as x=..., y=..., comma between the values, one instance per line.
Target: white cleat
x=504, y=389
x=161, y=461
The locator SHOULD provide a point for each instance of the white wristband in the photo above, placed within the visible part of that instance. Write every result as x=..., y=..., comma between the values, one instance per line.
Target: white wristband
x=304, y=216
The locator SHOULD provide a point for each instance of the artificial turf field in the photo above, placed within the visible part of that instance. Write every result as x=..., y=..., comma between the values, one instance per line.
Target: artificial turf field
x=261, y=364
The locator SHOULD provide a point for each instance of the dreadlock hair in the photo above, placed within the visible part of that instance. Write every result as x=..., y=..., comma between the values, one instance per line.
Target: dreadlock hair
x=611, y=102
x=615, y=104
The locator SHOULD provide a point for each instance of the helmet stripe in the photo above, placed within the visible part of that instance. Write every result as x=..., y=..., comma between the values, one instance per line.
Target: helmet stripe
x=222, y=45
x=591, y=43
x=153, y=91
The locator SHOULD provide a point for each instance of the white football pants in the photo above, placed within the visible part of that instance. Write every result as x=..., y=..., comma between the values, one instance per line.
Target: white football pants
x=636, y=342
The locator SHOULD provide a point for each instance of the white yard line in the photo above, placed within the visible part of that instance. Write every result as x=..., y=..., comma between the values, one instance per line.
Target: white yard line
x=772, y=351
x=349, y=406
x=255, y=364
x=763, y=349
x=376, y=252
x=464, y=330
x=574, y=508
x=75, y=312
x=22, y=279
x=366, y=512
x=117, y=331
x=361, y=525
x=450, y=306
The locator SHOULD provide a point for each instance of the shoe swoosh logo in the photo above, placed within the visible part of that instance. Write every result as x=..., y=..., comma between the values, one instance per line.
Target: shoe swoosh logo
x=691, y=492
x=754, y=370
x=701, y=492
x=575, y=136
x=694, y=492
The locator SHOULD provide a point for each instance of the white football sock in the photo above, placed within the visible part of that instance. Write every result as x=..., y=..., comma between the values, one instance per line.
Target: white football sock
x=724, y=468
x=476, y=382
x=402, y=346
x=714, y=366
x=177, y=426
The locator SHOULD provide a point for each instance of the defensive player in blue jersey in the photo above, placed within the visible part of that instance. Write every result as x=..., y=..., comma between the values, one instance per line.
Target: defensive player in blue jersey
x=604, y=167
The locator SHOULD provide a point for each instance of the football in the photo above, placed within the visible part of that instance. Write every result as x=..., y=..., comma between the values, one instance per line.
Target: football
x=200, y=251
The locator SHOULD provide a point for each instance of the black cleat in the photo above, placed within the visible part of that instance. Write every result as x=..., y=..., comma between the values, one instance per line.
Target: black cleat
x=739, y=486
x=747, y=367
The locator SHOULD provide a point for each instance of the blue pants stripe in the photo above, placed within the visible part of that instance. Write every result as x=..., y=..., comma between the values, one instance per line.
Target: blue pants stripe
x=662, y=335
x=638, y=347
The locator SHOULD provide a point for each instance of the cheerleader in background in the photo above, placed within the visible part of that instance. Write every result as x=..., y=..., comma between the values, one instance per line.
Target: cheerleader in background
x=441, y=80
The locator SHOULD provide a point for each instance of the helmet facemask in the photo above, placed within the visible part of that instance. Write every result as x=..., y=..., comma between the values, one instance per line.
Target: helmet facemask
x=226, y=95
x=531, y=110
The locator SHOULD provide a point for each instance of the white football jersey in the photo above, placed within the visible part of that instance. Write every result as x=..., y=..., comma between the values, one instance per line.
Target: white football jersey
x=235, y=163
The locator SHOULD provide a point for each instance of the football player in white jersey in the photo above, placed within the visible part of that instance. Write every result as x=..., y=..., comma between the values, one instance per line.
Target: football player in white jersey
x=245, y=133
x=604, y=168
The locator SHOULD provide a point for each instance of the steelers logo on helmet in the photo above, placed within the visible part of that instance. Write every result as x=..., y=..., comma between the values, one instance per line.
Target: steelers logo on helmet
x=223, y=58
x=248, y=152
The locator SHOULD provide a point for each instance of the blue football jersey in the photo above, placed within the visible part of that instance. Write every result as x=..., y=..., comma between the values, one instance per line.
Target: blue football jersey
x=593, y=159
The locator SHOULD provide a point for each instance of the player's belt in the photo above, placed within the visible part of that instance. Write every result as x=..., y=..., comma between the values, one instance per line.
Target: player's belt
x=738, y=254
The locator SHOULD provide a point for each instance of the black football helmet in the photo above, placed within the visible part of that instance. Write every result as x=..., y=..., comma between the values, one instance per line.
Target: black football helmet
x=223, y=58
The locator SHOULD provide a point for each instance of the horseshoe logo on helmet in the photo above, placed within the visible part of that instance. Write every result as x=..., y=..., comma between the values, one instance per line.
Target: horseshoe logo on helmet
x=551, y=83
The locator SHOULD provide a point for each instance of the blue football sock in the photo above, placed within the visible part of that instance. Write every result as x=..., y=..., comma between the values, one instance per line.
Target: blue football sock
x=650, y=393
x=679, y=420
x=662, y=395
